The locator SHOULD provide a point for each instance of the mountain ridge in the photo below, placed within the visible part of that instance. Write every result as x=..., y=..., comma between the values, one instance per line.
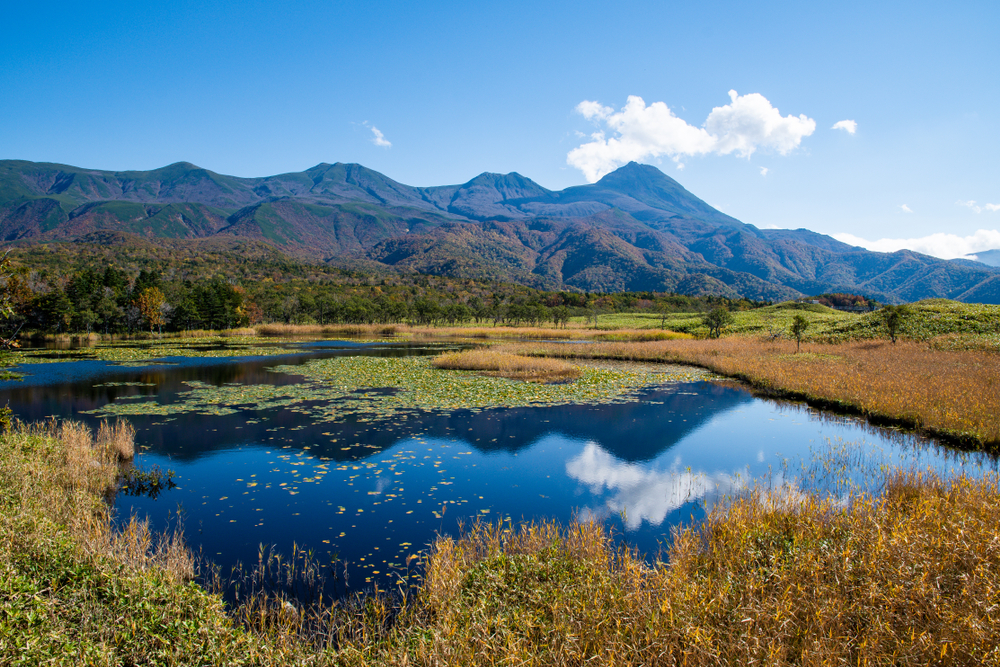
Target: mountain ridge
x=634, y=229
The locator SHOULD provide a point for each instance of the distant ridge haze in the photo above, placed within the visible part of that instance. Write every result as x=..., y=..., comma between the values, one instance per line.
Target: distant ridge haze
x=635, y=229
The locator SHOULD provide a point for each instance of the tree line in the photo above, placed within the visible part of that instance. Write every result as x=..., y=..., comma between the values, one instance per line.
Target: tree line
x=113, y=300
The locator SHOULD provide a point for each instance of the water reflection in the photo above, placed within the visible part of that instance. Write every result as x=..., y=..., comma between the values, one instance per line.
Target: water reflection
x=640, y=492
x=371, y=491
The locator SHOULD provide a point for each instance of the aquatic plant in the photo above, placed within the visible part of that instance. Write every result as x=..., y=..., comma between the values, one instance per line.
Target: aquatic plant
x=341, y=388
x=139, y=352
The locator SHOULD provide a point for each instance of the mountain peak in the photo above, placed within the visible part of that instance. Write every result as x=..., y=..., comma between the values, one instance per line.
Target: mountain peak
x=507, y=186
x=636, y=173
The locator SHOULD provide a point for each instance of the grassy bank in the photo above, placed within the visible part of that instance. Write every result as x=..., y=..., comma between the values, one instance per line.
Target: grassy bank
x=72, y=590
x=949, y=393
x=910, y=576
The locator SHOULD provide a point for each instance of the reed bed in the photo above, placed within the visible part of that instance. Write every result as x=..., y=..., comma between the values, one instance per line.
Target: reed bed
x=543, y=333
x=371, y=330
x=909, y=577
x=515, y=367
x=953, y=394
x=536, y=333
x=117, y=439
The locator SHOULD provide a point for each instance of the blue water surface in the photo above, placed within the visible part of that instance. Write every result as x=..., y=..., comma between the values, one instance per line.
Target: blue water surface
x=366, y=494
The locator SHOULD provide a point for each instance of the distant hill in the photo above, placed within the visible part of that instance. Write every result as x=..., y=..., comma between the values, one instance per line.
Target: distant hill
x=635, y=229
x=987, y=257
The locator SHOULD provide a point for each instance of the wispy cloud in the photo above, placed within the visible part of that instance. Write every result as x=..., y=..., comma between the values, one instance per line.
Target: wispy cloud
x=639, y=132
x=945, y=246
x=849, y=126
x=906, y=209
x=992, y=208
x=377, y=137
x=763, y=171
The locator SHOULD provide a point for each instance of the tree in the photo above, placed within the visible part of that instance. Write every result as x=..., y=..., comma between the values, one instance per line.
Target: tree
x=560, y=316
x=716, y=320
x=799, y=326
x=895, y=317
x=663, y=308
x=151, y=304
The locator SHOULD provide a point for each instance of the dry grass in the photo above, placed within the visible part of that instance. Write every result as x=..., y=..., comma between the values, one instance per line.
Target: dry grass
x=542, y=333
x=370, y=330
x=117, y=439
x=515, y=367
x=909, y=578
x=79, y=469
x=954, y=394
x=75, y=589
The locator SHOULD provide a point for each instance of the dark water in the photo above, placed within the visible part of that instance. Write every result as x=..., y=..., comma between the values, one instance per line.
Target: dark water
x=369, y=493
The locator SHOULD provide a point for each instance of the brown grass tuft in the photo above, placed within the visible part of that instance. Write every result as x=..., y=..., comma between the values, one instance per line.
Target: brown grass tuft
x=118, y=440
x=512, y=366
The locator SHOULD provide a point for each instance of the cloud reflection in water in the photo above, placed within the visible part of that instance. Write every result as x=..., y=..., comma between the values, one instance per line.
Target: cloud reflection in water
x=646, y=494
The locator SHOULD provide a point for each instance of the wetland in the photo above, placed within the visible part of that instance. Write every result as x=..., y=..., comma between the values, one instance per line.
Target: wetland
x=360, y=453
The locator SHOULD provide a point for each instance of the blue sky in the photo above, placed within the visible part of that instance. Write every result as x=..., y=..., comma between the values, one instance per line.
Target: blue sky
x=454, y=89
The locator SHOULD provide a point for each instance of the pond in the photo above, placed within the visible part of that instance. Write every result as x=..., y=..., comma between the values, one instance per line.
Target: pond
x=362, y=453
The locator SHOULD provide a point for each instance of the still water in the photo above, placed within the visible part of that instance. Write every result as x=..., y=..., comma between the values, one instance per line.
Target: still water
x=367, y=491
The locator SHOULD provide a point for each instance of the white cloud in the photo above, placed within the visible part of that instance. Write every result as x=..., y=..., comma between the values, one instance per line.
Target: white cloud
x=849, y=125
x=592, y=110
x=992, y=208
x=645, y=494
x=906, y=209
x=639, y=132
x=763, y=171
x=377, y=137
x=945, y=246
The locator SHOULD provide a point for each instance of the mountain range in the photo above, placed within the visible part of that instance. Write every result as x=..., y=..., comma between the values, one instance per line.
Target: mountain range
x=636, y=229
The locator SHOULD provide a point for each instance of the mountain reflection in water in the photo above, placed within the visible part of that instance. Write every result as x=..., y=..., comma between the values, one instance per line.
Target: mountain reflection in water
x=371, y=490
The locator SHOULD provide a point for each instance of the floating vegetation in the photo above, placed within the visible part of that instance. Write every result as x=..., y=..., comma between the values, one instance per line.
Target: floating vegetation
x=125, y=384
x=137, y=353
x=339, y=388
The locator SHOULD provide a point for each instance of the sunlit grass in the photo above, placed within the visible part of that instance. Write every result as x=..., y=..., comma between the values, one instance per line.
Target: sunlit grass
x=909, y=577
x=511, y=366
x=75, y=589
x=371, y=330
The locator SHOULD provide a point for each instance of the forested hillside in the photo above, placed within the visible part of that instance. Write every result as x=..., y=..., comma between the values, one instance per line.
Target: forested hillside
x=636, y=229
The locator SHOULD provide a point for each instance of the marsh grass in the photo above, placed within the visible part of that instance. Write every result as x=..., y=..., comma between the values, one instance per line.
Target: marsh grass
x=371, y=330
x=577, y=332
x=902, y=570
x=907, y=577
x=117, y=439
x=77, y=588
x=953, y=394
x=512, y=366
